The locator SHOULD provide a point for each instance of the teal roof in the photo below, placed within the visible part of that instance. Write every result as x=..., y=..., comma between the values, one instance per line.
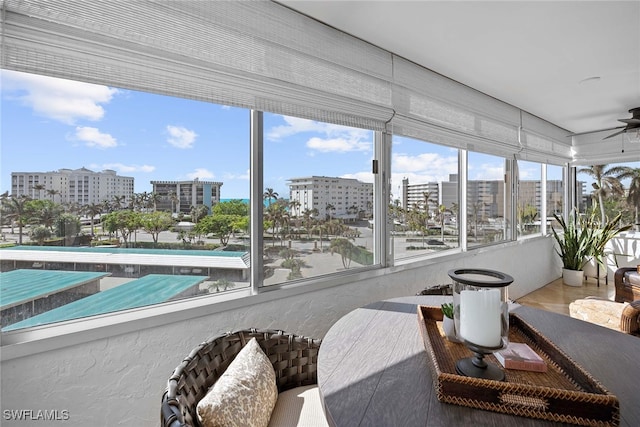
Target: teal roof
x=20, y=286
x=140, y=251
x=148, y=290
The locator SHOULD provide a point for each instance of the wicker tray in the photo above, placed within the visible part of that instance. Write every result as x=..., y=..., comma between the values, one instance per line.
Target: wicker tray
x=565, y=393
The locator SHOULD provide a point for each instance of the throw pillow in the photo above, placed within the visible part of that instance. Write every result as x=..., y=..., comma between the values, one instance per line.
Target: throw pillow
x=244, y=395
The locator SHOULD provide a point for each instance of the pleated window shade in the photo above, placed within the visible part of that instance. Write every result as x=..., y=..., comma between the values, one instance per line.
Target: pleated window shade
x=259, y=55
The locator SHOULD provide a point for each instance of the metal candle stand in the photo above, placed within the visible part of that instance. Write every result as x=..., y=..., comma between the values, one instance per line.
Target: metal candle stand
x=479, y=329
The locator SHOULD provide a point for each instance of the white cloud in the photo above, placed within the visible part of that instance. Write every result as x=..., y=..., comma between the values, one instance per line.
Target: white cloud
x=92, y=137
x=335, y=138
x=229, y=176
x=181, y=137
x=341, y=145
x=434, y=163
x=365, y=176
x=124, y=168
x=66, y=101
x=201, y=173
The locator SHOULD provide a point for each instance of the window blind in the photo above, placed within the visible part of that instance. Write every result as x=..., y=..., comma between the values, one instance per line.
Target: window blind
x=259, y=55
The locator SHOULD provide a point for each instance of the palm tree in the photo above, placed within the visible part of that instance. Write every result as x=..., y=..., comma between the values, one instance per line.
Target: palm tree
x=118, y=202
x=606, y=184
x=633, y=196
x=173, y=197
x=38, y=188
x=91, y=211
x=16, y=211
x=52, y=193
x=153, y=200
x=270, y=194
x=330, y=208
x=294, y=205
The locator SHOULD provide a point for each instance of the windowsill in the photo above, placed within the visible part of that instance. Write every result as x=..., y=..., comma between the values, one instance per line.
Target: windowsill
x=44, y=338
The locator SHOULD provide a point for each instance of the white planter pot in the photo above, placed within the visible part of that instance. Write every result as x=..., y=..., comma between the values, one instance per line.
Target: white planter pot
x=591, y=269
x=449, y=328
x=572, y=277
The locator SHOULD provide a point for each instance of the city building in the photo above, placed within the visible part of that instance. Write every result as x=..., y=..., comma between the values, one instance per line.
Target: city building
x=344, y=198
x=181, y=196
x=72, y=186
x=416, y=195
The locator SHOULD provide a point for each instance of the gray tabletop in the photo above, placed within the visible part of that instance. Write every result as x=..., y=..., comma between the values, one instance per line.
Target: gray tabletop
x=373, y=369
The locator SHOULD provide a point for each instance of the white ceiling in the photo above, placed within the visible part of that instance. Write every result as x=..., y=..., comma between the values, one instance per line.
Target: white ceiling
x=573, y=63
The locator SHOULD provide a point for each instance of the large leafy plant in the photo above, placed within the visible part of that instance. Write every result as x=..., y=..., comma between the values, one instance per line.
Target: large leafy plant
x=574, y=243
x=584, y=237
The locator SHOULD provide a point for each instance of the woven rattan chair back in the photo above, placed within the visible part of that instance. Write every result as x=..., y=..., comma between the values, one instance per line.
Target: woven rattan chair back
x=294, y=360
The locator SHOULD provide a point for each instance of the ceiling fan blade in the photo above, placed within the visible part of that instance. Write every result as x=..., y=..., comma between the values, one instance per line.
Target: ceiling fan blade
x=630, y=121
x=595, y=131
x=614, y=134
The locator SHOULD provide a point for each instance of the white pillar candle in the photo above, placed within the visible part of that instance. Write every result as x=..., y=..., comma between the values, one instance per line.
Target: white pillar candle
x=480, y=317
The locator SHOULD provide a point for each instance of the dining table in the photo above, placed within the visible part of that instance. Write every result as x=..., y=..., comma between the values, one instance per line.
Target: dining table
x=373, y=368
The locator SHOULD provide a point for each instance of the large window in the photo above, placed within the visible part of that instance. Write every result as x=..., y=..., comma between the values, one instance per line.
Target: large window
x=135, y=186
x=318, y=198
x=613, y=189
x=487, y=201
x=529, y=205
x=424, y=198
x=555, y=194
x=148, y=196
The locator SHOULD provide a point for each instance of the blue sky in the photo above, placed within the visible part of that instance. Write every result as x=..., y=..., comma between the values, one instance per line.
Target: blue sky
x=50, y=124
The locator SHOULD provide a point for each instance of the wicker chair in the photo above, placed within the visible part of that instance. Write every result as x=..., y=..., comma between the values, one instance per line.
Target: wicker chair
x=294, y=360
x=625, y=291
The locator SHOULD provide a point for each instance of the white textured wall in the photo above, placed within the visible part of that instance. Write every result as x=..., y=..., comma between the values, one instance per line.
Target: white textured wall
x=120, y=380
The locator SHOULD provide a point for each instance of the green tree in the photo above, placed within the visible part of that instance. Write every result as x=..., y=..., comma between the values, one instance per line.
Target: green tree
x=221, y=284
x=345, y=248
x=43, y=212
x=198, y=212
x=173, y=197
x=231, y=207
x=39, y=234
x=269, y=195
x=92, y=210
x=52, y=193
x=125, y=222
x=606, y=184
x=156, y=222
x=633, y=195
x=67, y=225
x=38, y=188
x=15, y=211
x=219, y=225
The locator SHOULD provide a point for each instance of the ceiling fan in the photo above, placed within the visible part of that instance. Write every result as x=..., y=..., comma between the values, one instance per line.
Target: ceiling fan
x=632, y=125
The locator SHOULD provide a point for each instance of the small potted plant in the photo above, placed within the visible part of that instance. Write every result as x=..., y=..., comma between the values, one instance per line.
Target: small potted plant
x=448, y=324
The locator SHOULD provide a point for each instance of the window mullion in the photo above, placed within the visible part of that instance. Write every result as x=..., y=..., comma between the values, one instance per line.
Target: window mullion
x=256, y=203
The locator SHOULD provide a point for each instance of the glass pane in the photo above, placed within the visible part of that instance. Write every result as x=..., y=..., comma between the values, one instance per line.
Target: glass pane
x=614, y=187
x=485, y=199
x=529, y=198
x=318, y=198
x=555, y=194
x=149, y=191
x=424, y=202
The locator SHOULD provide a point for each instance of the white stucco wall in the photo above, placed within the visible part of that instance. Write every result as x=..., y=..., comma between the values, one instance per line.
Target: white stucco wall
x=119, y=380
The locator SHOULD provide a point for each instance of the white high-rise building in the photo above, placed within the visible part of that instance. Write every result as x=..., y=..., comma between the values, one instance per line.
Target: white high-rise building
x=78, y=186
x=343, y=198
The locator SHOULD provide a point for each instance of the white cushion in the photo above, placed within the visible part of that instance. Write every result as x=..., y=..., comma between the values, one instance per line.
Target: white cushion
x=299, y=407
x=244, y=395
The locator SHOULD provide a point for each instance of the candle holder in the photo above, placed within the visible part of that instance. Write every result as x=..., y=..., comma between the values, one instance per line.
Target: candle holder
x=481, y=316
